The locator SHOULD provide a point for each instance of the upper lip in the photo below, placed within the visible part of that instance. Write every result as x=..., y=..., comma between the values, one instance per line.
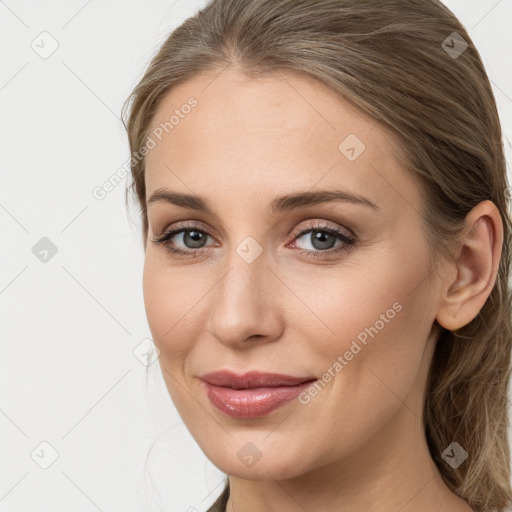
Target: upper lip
x=253, y=379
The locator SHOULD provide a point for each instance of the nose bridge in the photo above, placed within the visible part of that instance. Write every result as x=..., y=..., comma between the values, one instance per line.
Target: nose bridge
x=241, y=306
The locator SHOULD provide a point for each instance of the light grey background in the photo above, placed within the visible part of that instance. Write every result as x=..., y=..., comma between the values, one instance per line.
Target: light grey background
x=69, y=326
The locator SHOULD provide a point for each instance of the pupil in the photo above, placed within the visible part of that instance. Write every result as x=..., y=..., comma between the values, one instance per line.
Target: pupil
x=319, y=242
x=195, y=238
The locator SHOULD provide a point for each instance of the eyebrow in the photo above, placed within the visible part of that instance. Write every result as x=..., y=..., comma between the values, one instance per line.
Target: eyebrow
x=278, y=205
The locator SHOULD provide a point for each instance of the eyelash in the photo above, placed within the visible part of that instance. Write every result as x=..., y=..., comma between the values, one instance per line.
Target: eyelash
x=348, y=241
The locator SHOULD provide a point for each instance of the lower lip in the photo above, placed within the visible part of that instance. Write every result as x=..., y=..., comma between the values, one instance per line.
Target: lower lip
x=254, y=402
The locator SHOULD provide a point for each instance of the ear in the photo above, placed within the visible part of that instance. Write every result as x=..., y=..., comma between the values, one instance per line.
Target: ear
x=470, y=278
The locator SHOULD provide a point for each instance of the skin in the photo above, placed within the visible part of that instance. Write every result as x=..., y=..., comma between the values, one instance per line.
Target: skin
x=358, y=444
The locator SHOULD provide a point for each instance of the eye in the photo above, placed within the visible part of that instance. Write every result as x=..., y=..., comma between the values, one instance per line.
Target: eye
x=191, y=237
x=321, y=237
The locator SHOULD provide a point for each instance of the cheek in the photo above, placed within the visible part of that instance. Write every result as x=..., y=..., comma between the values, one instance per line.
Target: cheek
x=347, y=305
x=167, y=305
x=374, y=358
x=376, y=326
x=167, y=311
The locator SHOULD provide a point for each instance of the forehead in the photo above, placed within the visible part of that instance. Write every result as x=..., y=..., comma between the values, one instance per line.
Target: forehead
x=280, y=131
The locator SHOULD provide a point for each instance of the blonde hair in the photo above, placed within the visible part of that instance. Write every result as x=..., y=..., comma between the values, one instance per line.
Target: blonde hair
x=392, y=60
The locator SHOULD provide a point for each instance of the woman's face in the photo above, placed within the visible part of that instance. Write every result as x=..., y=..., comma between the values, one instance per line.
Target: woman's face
x=268, y=285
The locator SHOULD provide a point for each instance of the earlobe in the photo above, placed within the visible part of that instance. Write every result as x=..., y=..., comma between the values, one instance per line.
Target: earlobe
x=472, y=275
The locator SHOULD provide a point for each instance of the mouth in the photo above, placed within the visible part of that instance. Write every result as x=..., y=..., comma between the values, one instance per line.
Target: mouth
x=253, y=394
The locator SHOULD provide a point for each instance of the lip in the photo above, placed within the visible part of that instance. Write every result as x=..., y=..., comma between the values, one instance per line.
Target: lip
x=252, y=394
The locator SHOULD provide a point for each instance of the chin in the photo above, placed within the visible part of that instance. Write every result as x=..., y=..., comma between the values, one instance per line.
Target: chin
x=245, y=460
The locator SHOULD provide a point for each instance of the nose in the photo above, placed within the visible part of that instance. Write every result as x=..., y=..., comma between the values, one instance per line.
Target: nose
x=245, y=304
